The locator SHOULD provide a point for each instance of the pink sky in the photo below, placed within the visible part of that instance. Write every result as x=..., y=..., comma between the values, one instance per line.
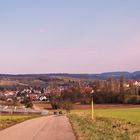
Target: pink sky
x=76, y=36
x=74, y=59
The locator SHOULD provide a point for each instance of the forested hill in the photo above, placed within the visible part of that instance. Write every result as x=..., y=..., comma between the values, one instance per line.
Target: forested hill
x=115, y=75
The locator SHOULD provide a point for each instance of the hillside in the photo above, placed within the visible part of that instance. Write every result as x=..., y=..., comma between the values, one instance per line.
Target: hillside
x=134, y=75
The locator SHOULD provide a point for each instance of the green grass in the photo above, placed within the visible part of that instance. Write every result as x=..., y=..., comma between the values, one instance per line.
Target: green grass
x=9, y=120
x=109, y=124
x=14, y=117
x=129, y=114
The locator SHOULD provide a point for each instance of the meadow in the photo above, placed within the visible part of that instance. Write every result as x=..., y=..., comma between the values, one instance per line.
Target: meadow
x=108, y=124
x=129, y=114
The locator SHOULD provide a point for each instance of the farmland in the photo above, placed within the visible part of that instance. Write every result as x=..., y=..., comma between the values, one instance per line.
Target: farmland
x=108, y=124
x=129, y=114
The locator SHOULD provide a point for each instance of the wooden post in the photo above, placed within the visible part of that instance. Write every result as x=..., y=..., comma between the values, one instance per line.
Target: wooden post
x=92, y=106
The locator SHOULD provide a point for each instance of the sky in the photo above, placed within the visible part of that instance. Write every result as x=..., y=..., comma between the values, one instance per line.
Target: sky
x=69, y=36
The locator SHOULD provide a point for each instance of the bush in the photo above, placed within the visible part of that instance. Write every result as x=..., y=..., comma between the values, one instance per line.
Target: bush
x=27, y=102
x=67, y=105
x=55, y=102
x=131, y=99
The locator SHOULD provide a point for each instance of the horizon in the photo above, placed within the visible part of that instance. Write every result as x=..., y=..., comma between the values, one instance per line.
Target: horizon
x=80, y=36
x=67, y=73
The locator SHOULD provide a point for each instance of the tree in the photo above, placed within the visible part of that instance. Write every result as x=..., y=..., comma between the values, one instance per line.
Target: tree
x=122, y=84
x=67, y=105
x=121, y=98
x=27, y=101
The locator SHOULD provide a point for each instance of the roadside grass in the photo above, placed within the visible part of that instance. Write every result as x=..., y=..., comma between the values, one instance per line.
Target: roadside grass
x=14, y=117
x=109, y=124
x=9, y=120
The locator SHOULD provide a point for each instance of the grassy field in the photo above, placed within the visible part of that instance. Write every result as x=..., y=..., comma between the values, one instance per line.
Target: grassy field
x=109, y=124
x=129, y=114
x=9, y=120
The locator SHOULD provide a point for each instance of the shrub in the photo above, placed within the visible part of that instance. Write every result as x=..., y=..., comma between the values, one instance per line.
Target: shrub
x=67, y=105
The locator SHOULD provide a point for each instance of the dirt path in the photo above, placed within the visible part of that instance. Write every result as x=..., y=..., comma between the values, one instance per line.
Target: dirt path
x=44, y=128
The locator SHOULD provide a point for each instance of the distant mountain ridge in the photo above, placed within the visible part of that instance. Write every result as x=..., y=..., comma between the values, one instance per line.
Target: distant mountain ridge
x=127, y=75
x=116, y=75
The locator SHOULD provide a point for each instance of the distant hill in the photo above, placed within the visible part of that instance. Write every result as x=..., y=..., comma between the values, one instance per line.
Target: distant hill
x=116, y=75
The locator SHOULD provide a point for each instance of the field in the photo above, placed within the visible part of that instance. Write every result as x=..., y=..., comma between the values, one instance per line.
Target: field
x=88, y=107
x=129, y=114
x=108, y=124
x=22, y=82
x=9, y=120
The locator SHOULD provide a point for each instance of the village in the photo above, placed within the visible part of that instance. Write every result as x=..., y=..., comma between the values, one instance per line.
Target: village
x=105, y=91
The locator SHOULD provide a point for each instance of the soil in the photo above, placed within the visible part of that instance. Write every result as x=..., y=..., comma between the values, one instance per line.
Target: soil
x=96, y=106
x=106, y=106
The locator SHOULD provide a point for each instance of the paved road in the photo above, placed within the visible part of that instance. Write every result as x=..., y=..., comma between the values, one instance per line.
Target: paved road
x=44, y=128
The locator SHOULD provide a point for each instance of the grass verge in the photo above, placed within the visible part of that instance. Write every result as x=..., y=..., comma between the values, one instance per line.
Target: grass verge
x=103, y=128
x=9, y=120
